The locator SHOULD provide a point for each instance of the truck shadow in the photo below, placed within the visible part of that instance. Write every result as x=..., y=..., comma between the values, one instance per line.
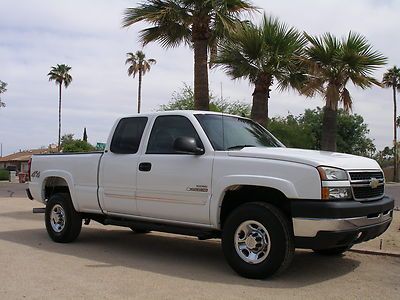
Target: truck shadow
x=177, y=256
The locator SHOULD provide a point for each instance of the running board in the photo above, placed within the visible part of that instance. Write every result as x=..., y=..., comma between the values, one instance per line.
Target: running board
x=202, y=234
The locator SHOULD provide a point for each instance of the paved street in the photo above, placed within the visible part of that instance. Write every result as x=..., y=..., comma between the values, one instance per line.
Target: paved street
x=12, y=189
x=111, y=262
x=393, y=190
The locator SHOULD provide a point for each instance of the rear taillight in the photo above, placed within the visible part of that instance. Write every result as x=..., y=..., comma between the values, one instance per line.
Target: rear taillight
x=29, y=169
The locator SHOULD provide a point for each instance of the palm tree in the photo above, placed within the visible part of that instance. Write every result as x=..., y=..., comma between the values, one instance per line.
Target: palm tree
x=263, y=54
x=3, y=89
x=333, y=63
x=60, y=75
x=138, y=65
x=199, y=24
x=391, y=79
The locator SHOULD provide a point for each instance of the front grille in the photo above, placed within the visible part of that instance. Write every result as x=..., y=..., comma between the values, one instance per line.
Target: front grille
x=365, y=175
x=366, y=192
x=362, y=187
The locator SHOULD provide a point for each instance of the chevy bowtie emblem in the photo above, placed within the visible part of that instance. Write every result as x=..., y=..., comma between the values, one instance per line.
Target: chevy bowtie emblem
x=374, y=183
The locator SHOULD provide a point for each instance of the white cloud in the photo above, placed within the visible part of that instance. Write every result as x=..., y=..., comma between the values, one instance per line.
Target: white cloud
x=87, y=35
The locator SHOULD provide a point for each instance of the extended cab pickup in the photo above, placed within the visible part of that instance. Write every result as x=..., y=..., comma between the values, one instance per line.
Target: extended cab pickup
x=212, y=175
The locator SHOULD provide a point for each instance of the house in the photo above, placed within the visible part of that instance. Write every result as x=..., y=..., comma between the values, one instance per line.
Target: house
x=19, y=160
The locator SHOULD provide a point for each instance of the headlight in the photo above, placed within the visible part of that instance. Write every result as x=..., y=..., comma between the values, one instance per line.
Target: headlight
x=332, y=174
x=330, y=189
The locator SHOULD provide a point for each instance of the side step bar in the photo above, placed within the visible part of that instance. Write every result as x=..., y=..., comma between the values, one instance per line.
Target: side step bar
x=202, y=234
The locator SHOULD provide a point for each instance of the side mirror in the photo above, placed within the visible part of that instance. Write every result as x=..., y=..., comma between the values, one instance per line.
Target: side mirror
x=187, y=145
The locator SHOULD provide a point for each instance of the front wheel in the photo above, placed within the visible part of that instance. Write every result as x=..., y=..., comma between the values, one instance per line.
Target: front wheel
x=257, y=240
x=63, y=222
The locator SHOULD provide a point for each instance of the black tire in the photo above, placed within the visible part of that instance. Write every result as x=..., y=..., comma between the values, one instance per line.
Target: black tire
x=72, y=225
x=139, y=231
x=332, y=251
x=280, y=234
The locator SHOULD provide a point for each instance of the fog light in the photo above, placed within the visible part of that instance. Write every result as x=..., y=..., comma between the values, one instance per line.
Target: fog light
x=336, y=193
x=339, y=193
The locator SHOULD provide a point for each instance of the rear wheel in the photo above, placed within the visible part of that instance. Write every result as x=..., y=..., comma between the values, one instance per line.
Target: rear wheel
x=332, y=251
x=257, y=240
x=63, y=222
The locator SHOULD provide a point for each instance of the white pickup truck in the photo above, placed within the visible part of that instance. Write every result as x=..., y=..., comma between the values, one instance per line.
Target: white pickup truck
x=212, y=175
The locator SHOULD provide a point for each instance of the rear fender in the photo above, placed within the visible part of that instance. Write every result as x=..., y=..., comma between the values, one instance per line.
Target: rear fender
x=67, y=177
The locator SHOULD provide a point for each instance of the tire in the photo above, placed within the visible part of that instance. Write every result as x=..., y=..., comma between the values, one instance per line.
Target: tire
x=332, y=251
x=248, y=253
x=63, y=222
x=139, y=231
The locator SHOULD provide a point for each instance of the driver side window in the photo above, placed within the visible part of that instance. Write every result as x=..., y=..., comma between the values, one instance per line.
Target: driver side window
x=164, y=132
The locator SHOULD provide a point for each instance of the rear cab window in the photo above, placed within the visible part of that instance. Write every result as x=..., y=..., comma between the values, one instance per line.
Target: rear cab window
x=127, y=135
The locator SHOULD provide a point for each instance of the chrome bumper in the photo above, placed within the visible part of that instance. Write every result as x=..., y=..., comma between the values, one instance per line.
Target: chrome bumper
x=309, y=227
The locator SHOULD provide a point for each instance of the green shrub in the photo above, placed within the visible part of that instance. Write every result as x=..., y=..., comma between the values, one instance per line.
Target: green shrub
x=4, y=174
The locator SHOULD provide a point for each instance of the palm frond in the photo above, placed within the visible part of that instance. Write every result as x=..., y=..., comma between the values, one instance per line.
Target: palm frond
x=346, y=100
x=392, y=77
x=271, y=48
x=138, y=63
x=60, y=74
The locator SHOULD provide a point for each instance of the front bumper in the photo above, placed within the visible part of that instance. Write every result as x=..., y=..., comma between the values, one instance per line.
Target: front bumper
x=323, y=224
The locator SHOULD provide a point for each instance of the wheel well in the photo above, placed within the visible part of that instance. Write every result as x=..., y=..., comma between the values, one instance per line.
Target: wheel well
x=53, y=185
x=237, y=195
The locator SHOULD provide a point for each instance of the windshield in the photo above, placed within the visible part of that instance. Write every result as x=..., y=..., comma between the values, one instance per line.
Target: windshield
x=235, y=133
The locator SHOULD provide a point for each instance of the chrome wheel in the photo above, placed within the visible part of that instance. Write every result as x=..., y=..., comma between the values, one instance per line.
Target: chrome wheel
x=57, y=218
x=252, y=242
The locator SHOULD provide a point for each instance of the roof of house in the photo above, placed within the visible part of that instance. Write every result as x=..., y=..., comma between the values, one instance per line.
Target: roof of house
x=22, y=156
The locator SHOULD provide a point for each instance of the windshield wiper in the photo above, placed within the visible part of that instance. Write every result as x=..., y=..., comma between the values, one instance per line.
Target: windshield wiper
x=239, y=147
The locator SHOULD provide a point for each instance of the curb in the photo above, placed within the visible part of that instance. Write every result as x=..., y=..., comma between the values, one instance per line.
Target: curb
x=378, y=253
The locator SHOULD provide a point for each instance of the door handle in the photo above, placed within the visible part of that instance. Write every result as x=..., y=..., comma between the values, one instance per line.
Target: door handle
x=145, y=166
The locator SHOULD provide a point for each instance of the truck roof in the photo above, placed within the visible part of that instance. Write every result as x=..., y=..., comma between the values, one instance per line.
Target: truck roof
x=180, y=112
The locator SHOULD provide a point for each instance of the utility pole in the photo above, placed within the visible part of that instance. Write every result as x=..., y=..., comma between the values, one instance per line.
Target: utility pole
x=395, y=170
x=1, y=149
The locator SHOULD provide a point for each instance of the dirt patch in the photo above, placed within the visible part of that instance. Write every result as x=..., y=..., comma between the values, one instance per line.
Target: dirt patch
x=389, y=241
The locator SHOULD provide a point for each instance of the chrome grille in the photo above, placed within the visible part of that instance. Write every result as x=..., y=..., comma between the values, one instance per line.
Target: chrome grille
x=365, y=175
x=367, y=185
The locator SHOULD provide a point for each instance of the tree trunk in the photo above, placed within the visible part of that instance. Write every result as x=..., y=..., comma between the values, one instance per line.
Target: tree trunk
x=329, y=129
x=259, y=110
x=395, y=164
x=139, y=100
x=59, y=118
x=201, y=93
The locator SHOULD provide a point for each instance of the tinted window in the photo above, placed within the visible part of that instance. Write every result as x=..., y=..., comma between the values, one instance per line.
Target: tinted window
x=233, y=133
x=165, y=130
x=127, y=135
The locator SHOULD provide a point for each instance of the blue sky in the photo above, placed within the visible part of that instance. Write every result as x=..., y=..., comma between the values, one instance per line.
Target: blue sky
x=87, y=35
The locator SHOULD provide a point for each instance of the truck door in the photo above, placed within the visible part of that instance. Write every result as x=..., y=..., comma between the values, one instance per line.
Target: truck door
x=118, y=167
x=174, y=186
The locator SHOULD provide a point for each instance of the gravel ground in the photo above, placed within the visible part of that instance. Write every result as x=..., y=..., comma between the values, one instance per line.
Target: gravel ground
x=111, y=262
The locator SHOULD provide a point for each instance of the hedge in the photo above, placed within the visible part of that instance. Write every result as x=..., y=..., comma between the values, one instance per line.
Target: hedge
x=4, y=174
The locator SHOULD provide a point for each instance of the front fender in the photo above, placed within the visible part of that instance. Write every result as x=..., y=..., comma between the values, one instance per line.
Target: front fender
x=282, y=185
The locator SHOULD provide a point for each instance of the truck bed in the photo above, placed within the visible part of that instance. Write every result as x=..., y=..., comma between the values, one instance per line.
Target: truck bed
x=80, y=170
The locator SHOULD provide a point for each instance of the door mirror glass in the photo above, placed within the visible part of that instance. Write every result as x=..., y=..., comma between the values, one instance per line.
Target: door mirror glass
x=187, y=145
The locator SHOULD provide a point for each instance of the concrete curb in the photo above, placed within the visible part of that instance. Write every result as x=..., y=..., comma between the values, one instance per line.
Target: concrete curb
x=378, y=253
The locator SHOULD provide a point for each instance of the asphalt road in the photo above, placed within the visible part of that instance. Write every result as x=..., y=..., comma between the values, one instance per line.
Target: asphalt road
x=111, y=262
x=393, y=190
x=13, y=189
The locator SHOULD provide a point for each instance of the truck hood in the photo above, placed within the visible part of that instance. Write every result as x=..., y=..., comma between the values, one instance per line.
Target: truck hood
x=309, y=157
